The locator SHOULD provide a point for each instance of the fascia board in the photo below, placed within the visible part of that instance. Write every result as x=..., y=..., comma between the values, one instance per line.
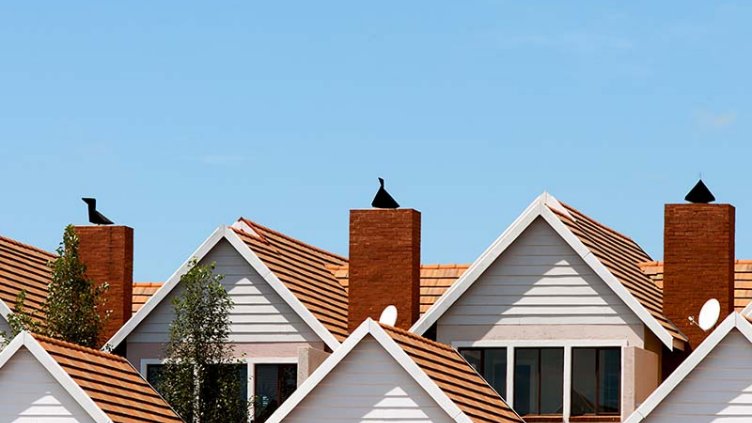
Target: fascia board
x=165, y=290
x=687, y=366
x=479, y=266
x=320, y=373
x=64, y=379
x=280, y=288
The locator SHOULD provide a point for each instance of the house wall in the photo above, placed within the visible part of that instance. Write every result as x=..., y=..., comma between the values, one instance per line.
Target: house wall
x=718, y=389
x=31, y=394
x=539, y=292
x=262, y=324
x=368, y=385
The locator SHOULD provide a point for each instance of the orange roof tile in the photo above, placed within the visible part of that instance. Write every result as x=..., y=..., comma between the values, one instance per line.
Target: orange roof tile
x=459, y=381
x=742, y=279
x=302, y=268
x=142, y=291
x=23, y=267
x=435, y=279
x=111, y=382
x=620, y=254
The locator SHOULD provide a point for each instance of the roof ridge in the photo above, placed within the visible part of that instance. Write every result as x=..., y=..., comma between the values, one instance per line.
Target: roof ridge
x=148, y=283
x=607, y=228
x=80, y=348
x=29, y=246
x=294, y=240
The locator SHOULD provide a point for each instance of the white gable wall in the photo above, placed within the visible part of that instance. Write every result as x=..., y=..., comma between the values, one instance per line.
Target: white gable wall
x=540, y=283
x=31, y=394
x=260, y=316
x=538, y=293
x=719, y=389
x=368, y=385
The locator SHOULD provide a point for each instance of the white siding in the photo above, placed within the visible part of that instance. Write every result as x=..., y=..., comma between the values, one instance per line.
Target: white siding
x=31, y=394
x=259, y=314
x=538, y=280
x=719, y=389
x=368, y=386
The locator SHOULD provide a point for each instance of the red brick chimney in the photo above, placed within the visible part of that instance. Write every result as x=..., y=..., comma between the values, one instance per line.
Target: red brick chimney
x=698, y=250
x=384, y=265
x=107, y=252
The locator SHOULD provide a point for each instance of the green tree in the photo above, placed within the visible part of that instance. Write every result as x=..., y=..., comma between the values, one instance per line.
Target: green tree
x=19, y=320
x=74, y=309
x=200, y=378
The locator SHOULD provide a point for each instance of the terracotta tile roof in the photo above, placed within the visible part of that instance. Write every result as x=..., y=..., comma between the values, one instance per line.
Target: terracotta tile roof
x=435, y=279
x=142, y=291
x=23, y=267
x=742, y=279
x=620, y=255
x=303, y=270
x=111, y=382
x=459, y=381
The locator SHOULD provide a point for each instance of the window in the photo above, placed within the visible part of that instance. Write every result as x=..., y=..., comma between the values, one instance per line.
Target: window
x=491, y=363
x=156, y=371
x=273, y=384
x=596, y=381
x=538, y=380
x=153, y=373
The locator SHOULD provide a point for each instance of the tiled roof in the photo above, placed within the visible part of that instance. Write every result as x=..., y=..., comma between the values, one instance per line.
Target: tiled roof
x=302, y=268
x=620, y=255
x=142, y=291
x=111, y=382
x=23, y=267
x=453, y=375
x=742, y=279
x=435, y=279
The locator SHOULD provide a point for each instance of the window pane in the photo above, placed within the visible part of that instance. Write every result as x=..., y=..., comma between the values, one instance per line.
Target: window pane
x=526, y=380
x=153, y=373
x=473, y=357
x=273, y=384
x=583, y=381
x=495, y=369
x=609, y=371
x=551, y=380
x=288, y=381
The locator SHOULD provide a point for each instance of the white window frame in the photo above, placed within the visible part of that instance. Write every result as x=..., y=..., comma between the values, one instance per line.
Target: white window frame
x=567, y=345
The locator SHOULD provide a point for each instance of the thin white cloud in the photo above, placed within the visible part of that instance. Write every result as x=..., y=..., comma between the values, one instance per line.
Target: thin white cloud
x=716, y=120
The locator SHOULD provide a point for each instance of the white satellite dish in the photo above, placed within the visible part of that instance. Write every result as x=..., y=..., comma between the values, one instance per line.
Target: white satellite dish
x=709, y=314
x=389, y=316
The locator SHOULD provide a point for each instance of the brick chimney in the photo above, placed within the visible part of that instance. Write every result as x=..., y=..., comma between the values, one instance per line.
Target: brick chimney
x=384, y=265
x=698, y=250
x=107, y=252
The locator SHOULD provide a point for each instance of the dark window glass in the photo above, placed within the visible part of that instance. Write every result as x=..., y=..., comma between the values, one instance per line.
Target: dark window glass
x=273, y=384
x=538, y=380
x=153, y=373
x=491, y=363
x=596, y=381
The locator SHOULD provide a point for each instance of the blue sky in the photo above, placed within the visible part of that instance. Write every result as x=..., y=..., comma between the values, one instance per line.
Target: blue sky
x=181, y=116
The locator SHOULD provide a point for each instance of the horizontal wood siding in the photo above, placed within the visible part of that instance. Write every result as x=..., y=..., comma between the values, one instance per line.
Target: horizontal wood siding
x=31, y=394
x=259, y=314
x=719, y=389
x=538, y=280
x=368, y=386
